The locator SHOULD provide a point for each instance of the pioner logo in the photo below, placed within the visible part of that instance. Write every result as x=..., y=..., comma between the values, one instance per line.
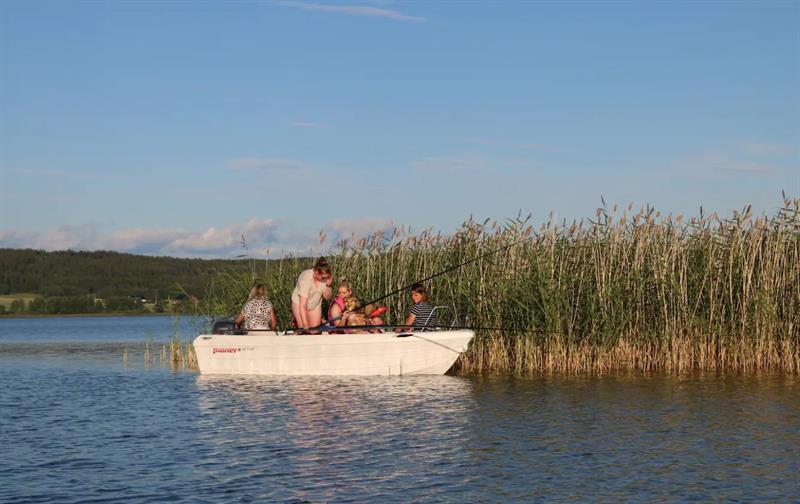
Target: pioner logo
x=224, y=350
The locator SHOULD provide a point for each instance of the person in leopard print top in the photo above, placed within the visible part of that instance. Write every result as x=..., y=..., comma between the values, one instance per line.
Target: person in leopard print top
x=257, y=312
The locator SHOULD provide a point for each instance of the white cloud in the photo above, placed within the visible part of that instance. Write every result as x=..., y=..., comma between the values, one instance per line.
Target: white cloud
x=224, y=240
x=353, y=10
x=60, y=238
x=744, y=168
x=358, y=228
x=723, y=164
x=507, y=143
x=262, y=237
x=482, y=141
x=450, y=164
x=769, y=149
x=12, y=238
x=269, y=165
x=139, y=239
x=212, y=242
x=308, y=125
x=34, y=172
x=541, y=147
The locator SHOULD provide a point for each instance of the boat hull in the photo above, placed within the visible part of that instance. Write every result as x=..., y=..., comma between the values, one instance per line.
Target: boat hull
x=367, y=354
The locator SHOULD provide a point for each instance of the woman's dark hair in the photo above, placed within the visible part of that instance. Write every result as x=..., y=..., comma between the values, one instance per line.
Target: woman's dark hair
x=321, y=266
x=420, y=289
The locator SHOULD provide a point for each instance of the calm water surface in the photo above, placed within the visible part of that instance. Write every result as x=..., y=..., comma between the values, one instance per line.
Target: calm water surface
x=77, y=424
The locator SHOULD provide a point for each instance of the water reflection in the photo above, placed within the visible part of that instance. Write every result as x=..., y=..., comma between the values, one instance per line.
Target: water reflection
x=374, y=435
x=694, y=437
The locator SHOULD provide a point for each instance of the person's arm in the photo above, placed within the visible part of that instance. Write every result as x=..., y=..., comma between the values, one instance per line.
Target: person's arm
x=409, y=322
x=239, y=319
x=327, y=292
x=273, y=319
x=336, y=312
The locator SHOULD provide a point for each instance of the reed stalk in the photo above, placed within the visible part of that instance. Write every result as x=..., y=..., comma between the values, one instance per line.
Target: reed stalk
x=621, y=291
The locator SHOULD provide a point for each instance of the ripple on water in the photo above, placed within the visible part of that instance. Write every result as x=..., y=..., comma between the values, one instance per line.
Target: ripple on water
x=80, y=426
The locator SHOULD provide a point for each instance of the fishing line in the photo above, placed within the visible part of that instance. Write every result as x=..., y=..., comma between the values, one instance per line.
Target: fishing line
x=448, y=270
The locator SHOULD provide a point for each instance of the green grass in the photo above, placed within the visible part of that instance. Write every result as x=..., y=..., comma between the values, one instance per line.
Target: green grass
x=7, y=299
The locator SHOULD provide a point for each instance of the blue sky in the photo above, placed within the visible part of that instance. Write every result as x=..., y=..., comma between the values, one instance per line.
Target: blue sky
x=175, y=127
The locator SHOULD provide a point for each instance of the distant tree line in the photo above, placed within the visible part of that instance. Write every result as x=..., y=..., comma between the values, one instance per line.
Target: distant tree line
x=103, y=281
x=103, y=274
x=79, y=304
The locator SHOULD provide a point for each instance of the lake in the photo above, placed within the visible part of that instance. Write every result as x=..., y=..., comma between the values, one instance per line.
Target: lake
x=81, y=423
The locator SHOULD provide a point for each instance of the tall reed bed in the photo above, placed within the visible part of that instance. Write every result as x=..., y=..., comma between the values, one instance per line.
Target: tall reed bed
x=620, y=291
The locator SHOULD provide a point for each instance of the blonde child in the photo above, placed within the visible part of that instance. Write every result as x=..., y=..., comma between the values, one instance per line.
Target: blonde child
x=258, y=312
x=337, y=307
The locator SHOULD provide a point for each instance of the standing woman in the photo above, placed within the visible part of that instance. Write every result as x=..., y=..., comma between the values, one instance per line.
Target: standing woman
x=312, y=285
x=257, y=312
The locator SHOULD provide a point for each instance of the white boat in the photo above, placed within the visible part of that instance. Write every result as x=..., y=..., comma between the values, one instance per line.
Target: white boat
x=364, y=354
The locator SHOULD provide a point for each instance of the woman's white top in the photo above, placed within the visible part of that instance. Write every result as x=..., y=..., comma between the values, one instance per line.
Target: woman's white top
x=307, y=287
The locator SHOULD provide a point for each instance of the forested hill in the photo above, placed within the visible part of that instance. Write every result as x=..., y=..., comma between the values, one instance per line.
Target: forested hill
x=103, y=274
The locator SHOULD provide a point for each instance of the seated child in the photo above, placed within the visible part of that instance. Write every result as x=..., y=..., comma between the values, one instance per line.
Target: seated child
x=422, y=310
x=337, y=308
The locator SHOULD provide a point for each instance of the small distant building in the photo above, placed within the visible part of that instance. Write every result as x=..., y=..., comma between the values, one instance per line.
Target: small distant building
x=180, y=298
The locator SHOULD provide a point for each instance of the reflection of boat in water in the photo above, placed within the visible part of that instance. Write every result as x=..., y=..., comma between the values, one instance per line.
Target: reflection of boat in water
x=362, y=353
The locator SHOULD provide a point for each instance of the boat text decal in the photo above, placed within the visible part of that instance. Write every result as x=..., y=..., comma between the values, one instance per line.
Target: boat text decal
x=224, y=350
x=217, y=350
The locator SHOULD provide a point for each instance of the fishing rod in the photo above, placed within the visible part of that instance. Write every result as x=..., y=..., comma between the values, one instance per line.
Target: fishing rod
x=405, y=327
x=448, y=270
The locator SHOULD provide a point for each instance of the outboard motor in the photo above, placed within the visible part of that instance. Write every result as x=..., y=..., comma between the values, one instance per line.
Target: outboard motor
x=224, y=327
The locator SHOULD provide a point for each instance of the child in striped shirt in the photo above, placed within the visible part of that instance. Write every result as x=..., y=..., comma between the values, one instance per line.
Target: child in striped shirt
x=421, y=316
